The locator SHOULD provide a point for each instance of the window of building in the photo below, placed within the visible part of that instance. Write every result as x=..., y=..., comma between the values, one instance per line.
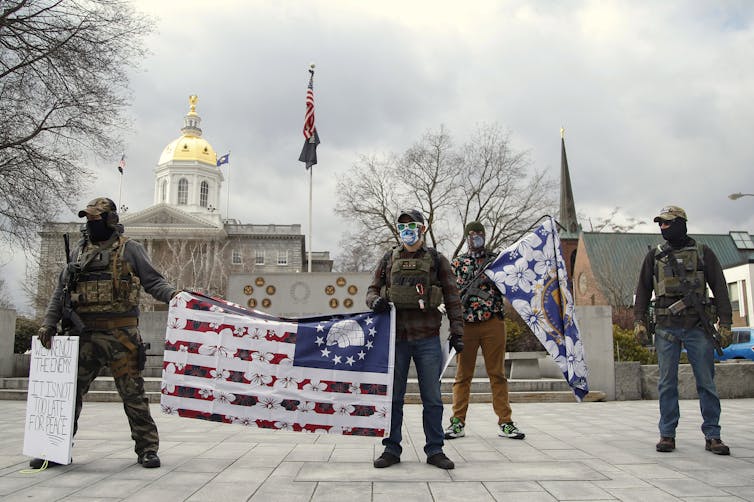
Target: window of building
x=734, y=297
x=237, y=257
x=163, y=191
x=742, y=240
x=183, y=191
x=203, y=193
x=259, y=257
x=283, y=258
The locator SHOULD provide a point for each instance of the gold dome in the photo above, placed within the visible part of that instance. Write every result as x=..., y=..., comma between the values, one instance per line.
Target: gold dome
x=191, y=145
x=189, y=148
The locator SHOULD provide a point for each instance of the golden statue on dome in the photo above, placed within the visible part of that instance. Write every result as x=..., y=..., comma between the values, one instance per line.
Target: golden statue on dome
x=193, y=99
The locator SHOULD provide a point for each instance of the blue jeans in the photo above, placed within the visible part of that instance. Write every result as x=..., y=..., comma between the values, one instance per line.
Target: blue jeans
x=427, y=355
x=700, y=351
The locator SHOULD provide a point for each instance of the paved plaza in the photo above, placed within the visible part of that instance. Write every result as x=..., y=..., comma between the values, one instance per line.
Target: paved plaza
x=587, y=451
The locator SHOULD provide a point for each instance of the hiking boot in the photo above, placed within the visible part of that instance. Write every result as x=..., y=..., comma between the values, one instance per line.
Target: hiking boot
x=441, y=461
x=149, y=460
x=455, y=429
x=37, y=463
x=665, y=445
x=716, y=446
x=386, y=460
x=509, y=430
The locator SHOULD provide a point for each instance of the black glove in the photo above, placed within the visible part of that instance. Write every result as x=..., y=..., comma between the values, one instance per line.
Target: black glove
x=456, y=342
x=45, y=334
x=380, y=305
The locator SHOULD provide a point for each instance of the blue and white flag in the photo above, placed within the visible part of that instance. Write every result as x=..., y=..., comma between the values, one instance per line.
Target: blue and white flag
x=329, y=374
x=223, y=160
x=532, y=275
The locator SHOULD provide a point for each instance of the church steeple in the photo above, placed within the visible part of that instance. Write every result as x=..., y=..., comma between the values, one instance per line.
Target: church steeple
x=567, y=206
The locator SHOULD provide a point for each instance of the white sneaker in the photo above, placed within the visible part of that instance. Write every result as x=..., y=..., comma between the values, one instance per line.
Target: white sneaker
x=509, y=430
x=455, y=429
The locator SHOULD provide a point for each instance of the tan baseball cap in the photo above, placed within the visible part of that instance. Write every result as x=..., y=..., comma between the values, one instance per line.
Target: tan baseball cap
x=98, y=206
x=669, y=213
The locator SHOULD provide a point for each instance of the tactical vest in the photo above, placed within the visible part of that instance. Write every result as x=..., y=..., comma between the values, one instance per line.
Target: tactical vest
x=666, y=281
x=106, y=283
x=414, y=279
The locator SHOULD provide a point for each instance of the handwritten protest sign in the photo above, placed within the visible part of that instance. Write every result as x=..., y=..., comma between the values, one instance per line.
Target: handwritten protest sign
x=51, y=399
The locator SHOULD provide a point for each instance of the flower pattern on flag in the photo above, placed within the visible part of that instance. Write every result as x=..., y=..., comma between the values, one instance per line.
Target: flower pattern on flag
x=329, y=374
x=531, y=273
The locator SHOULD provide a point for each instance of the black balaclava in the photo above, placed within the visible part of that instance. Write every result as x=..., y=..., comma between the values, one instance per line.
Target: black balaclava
x=99, y=230
x=675, y=234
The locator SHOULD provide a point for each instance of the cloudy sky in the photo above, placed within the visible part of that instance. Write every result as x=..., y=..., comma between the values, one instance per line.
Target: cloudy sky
x=656, y=98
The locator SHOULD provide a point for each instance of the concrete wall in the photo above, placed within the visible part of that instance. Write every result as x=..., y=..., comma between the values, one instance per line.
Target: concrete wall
x=596, y=328
x=733, y=379
x=7, y=336
x=152, y=326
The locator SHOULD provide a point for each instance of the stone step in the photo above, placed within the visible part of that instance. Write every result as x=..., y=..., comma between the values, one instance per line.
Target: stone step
x=478, y=385
x=411, y=398
x=542, y=390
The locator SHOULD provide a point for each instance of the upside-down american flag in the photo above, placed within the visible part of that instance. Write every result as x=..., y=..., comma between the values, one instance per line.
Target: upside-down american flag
x=531, y=274
x=122, y=163
x=311, y=137
x=327, y=374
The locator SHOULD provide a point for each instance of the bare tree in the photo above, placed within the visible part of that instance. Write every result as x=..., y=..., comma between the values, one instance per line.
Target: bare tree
x=63, y=83
x=498, y=189
x=609, y=223
x=198, y=265
x=5, y=301
x=483, y=180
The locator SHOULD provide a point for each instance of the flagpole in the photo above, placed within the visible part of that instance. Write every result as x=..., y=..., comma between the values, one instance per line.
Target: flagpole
x=120, y=191
x=227, y=200
x=311, y=177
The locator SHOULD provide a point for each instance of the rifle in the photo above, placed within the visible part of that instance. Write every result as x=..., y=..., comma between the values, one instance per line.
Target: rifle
x=692, y=299
x=472, y=287
x=71, y=320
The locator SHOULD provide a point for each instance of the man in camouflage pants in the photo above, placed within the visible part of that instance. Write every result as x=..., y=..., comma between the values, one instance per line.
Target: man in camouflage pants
x=97, y=298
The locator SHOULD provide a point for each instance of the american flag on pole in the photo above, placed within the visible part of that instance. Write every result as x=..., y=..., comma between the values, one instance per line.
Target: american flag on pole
x=311, y=137
x=328, y=374
x=122, y=163
x=531, y=274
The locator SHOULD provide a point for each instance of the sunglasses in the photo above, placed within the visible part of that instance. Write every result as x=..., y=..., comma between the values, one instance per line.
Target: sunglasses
x=411, y=225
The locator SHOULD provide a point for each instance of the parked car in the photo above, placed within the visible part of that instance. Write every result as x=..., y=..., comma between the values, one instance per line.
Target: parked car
x=742, y=346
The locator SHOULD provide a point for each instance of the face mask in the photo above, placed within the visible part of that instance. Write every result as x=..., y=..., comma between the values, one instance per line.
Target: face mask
x=675, y=234
x=410, y=236
x=98, y=230
x=475, y=241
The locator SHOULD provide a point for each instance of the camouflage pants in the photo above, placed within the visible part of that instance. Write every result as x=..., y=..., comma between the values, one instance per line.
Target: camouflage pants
x=117, y=349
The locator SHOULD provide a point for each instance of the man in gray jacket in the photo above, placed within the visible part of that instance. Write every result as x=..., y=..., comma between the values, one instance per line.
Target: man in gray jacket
x=97, y=298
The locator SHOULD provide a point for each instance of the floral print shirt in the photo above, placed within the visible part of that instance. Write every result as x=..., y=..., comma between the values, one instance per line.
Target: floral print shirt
x=476, y=309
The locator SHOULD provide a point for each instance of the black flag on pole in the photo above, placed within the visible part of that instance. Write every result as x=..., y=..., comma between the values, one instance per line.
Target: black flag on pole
x=311, y=138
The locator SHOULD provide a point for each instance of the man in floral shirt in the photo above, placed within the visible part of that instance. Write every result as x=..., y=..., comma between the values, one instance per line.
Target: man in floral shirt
x=482, y=306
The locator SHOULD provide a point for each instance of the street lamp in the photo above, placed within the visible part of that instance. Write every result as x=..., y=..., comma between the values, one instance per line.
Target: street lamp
x=738, y=195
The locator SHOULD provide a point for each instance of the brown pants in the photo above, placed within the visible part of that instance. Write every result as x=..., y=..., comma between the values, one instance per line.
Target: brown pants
x=490, y=336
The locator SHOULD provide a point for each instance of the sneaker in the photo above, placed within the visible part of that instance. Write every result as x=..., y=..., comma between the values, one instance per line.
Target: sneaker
x=455, y=429
x=666, y=444
x=441, y=461
x=37, y=463
x=509, y=430
x=386, y=460
x=149, y=460
x=716, y=446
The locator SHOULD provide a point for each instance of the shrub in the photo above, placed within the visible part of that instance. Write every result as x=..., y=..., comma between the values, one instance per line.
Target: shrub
x=25, y=330
x=519, y=337
x=626, y=348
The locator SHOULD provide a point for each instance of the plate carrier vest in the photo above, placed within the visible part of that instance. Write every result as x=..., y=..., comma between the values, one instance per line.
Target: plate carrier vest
x=106, y=283
x=408, y=276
